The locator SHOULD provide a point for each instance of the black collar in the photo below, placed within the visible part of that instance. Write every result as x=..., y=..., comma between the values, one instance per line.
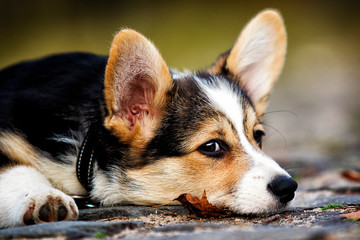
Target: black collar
x=86, y=159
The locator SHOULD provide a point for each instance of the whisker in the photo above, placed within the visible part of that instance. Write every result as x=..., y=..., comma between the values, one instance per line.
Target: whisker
x=282, y=136
x=282, y=111
x=294, y=167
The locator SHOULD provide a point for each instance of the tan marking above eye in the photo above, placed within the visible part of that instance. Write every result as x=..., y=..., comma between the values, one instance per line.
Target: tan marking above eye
x=259, y=127
x=258, y=134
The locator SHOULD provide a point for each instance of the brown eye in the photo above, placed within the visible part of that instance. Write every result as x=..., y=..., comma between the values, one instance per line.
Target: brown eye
x=258, y=136
x=213, y=148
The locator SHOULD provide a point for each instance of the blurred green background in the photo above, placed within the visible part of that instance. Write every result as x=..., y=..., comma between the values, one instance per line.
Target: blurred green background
x=314, y=114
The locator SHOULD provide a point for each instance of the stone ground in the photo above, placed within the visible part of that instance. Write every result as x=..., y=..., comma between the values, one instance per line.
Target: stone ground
x=305, y=219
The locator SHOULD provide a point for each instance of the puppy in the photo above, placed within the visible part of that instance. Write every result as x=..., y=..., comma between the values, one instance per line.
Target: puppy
x=126, y=129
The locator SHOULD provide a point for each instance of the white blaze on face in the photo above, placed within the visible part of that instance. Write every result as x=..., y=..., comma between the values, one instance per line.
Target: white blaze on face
x=252, y=193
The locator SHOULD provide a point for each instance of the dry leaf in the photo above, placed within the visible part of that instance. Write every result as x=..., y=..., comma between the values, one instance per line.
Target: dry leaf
x=352, y=216
x=351, y=175
x=202, y=208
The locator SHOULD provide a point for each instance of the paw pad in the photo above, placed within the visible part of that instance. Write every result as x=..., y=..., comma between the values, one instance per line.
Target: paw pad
x=50, y=209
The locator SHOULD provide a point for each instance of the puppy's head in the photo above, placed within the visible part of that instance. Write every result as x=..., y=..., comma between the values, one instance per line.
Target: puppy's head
x=187, y=133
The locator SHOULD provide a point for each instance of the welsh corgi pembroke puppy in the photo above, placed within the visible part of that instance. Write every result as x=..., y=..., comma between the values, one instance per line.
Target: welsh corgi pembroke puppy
x=126, y=129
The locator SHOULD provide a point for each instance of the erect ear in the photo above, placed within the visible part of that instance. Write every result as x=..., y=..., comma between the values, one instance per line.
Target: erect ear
x=137, y=81
x=257, y=57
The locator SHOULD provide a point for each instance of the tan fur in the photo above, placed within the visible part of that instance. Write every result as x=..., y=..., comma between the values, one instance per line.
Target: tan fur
x=17, y=149
x=194, y=172
x=218, y=65
x=132, y=55
x=21, y=152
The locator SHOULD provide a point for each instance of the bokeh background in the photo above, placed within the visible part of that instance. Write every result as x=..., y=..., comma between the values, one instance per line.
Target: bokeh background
x=313, y=119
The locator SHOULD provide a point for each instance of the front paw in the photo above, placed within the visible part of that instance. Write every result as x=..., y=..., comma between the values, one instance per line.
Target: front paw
x=50, y=206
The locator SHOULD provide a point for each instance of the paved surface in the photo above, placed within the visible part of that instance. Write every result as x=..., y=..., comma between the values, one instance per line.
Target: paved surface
x=304, y=220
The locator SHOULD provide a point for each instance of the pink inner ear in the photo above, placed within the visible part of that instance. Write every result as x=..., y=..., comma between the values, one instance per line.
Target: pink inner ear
x=138, y=102
x=136, y=112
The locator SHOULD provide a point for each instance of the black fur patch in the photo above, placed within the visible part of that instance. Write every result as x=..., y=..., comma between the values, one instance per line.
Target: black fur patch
x=4, y=161
x=52, y=96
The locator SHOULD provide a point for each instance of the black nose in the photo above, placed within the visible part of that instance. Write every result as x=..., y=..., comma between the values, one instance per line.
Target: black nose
x=283, y=187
